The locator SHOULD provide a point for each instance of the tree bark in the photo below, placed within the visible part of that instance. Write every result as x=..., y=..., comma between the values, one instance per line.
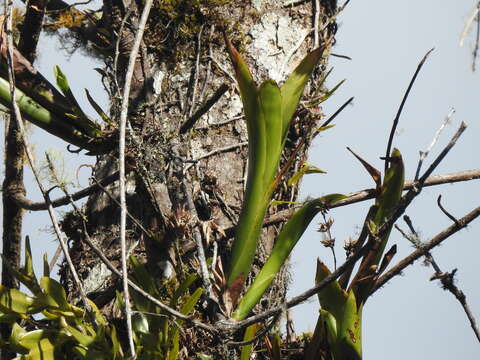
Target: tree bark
x=191, y=178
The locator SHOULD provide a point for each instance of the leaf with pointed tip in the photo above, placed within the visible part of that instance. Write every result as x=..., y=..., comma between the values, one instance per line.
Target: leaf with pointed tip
x=323, y=128
x=329, y=93
x=81, y=119
x=28, y=267
x=255, y=199
x=46, y=266
x=305, y=169
x=97, y=108
x=30, y=281
x=246, y=84
x=387, y=259
x=293, y=88
x=332, y=297
x=374, y=173
x=391, y=192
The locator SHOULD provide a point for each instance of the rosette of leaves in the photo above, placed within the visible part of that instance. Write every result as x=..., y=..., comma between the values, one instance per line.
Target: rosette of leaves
x=268, y=110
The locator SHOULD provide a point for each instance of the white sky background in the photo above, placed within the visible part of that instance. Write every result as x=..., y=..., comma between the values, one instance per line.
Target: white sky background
x=411, y=318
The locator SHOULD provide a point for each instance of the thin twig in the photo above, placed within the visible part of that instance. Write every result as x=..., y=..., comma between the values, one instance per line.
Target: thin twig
x=21, y=128
x=259, y=335
x=477, y=39
x=123, y=203
x=336, y=113
x=447, y=279
x=445, y=151
x=217, y=151
x=447, y=214
x=27, y=204
x=435, y=241
x=424, y=154
x=341, y=56
x=209, y=65
x=468, y=24
x=204, y=108
x=399, y=112
x=193, y=84
x=316, y=20
x=198, y=240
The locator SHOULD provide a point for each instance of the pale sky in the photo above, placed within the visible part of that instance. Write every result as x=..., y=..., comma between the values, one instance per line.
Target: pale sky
x=411, y=318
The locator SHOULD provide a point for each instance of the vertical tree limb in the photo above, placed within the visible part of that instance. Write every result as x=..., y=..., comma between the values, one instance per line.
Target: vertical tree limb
x=123, y=202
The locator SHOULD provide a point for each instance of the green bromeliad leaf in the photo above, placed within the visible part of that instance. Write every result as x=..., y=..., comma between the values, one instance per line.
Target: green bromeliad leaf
x=268, y=111
x=305, y=169
x=286, y=241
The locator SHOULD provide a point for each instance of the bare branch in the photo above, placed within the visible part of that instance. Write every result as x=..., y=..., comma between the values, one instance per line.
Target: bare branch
x=368, y=194
x=402, y=104
x=450, y=216
x=447, y=279
x=435, y=241
x=204, y=108
x=123, y=203
x=424, y=154
x=27, y=204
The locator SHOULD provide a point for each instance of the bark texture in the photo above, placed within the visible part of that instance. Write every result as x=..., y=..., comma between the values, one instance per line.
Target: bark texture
x=191, y=179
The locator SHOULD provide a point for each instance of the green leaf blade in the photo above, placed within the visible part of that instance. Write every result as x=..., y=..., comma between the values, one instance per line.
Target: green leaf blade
x=293, y=88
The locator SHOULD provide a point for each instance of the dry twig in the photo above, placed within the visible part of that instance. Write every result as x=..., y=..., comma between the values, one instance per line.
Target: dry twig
x=123, y=203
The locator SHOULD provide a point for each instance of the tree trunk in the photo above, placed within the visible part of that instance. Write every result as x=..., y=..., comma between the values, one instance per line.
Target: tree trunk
x=187, y=172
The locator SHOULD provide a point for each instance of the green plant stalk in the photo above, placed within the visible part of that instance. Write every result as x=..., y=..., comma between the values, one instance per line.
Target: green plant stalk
x=341, y=316
x=76, y=115
x=268, y=111
x=43, y=118
x=286, y=241
x=249, y=335
x=389, y=198
x=348, y=344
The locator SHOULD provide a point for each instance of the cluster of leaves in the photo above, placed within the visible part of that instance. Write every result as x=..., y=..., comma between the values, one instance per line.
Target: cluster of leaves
x=46, y=326
x=57, y=112
x=268, y=111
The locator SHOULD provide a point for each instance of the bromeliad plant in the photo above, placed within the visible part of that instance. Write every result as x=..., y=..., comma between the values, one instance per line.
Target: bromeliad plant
x=342, y=301
x=268, y=110
x=43, y=105
x=45, y=326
